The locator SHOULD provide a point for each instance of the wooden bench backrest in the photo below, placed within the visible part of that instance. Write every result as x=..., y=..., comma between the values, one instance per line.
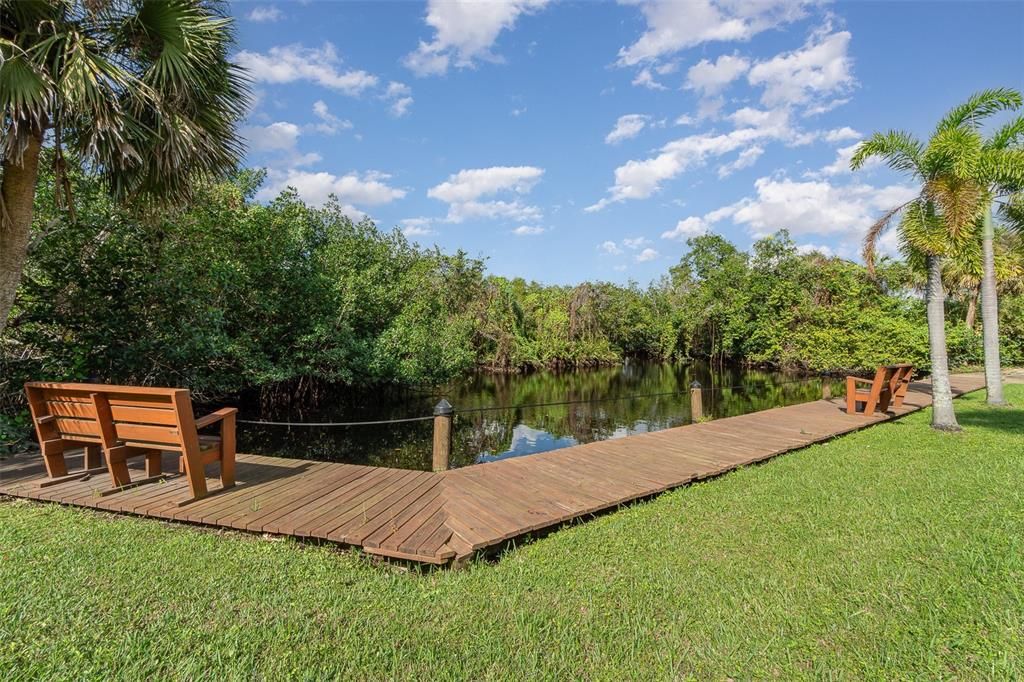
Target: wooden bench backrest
x=900, y=381
x=145, y=417
x=883, y=375
x=901, y=372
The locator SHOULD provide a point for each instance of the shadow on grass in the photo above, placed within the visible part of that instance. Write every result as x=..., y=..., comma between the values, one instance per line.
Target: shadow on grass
x=1007, y=419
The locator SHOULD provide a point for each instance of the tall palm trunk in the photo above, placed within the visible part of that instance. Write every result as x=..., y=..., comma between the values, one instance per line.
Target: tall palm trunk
x=990, y=313
x=18, y=191
x=943, y=416
x=972, y=310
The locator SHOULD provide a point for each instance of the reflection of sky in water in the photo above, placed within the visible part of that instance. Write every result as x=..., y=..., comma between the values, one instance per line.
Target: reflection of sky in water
x=527, y=440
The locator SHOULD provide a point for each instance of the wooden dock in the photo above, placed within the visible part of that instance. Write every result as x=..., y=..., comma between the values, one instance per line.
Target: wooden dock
x=439, y=517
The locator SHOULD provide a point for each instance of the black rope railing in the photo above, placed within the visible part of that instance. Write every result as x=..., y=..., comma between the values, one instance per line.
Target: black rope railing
x=375, y=422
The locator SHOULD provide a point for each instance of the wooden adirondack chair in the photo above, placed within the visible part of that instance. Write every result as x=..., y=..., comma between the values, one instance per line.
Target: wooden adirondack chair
x=889, y=386
x=129, y=421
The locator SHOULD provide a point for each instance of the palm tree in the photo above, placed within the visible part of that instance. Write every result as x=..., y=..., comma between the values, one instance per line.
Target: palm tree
x=962, y=271
x=924, y=230
x=1001, y=172
x=982, y=171
x=140, y=92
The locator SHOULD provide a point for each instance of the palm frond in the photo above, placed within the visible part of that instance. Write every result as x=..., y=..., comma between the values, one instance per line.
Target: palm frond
x=142, y=90
x=1012, y=213
x=874, y=233
x=1003, y=170
x=1008, y=135
x=899, y=149
x=978, y=107
x=955, y=151
x=27, y=98
x=922, y=229
x=193, y=101
x=959, y=200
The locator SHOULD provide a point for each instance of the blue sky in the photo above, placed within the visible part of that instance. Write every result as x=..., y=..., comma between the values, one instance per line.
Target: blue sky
x=567, y=141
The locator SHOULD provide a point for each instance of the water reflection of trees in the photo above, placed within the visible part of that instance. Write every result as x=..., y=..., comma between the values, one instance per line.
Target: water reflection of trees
x=647, y=397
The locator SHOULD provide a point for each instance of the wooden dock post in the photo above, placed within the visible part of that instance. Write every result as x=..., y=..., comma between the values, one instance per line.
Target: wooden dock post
x=696, y=403
x=443, y=413
x=826, y=389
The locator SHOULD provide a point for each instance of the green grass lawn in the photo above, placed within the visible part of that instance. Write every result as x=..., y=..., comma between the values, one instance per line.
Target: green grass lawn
x=895, y=552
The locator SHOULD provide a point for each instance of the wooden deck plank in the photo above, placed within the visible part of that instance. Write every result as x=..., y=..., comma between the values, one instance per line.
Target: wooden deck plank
x=306, y=491
x=382, y=534
x=390, y=508
x=435, y=517
x=282, y=513
x=304, y=520
x=358, y=510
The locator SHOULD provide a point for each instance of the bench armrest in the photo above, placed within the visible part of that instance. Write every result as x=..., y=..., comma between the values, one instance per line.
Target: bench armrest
x=861, y=380
x=215, y=417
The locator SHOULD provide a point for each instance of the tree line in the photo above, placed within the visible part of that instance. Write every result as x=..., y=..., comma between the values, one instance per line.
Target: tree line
x=228, y=293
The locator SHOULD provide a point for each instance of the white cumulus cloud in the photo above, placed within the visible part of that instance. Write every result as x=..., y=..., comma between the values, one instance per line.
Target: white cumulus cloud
x=640, y=179
x=291, y=63
x=710, y=78
x=400, y=96
x=820, y=68
x=352, y=189
x=746, y=159
x=464, y=190
x=470, y=184
x=265, y=14
x=815, y=206
x=673, y=25
x=842, y=134
x=279, y=136
x=464, y=32
x=841, y=165
x=646, y=255
x=645, y=79
x=329, y=123
x=416, y=227
x=686, y=228
x=627, y=127
x=635, y=242
x=527, y=230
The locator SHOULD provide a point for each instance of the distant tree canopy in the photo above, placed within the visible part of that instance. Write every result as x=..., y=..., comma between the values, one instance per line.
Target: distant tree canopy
x=228, y=294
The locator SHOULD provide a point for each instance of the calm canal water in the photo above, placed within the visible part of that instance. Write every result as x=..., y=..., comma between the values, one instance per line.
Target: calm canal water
x=607, y=402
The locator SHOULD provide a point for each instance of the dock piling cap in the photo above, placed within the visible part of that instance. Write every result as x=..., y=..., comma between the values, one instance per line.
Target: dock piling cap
x=695, y=384
x=443, y=408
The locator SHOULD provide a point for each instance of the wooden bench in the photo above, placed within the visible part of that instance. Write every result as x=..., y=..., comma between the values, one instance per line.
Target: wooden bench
x=889, y=387
x=129, y=421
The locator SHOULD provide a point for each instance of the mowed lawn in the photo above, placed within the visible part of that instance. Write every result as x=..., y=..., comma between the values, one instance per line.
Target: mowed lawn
x=895, y=552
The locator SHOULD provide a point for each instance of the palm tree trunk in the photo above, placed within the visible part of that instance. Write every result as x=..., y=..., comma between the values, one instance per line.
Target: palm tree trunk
x=18, y=191
x=990, y=313
x=943, y=417
x=972, y=310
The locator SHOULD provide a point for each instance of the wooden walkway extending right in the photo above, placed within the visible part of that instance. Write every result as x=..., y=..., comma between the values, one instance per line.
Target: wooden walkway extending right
x=440, y=517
